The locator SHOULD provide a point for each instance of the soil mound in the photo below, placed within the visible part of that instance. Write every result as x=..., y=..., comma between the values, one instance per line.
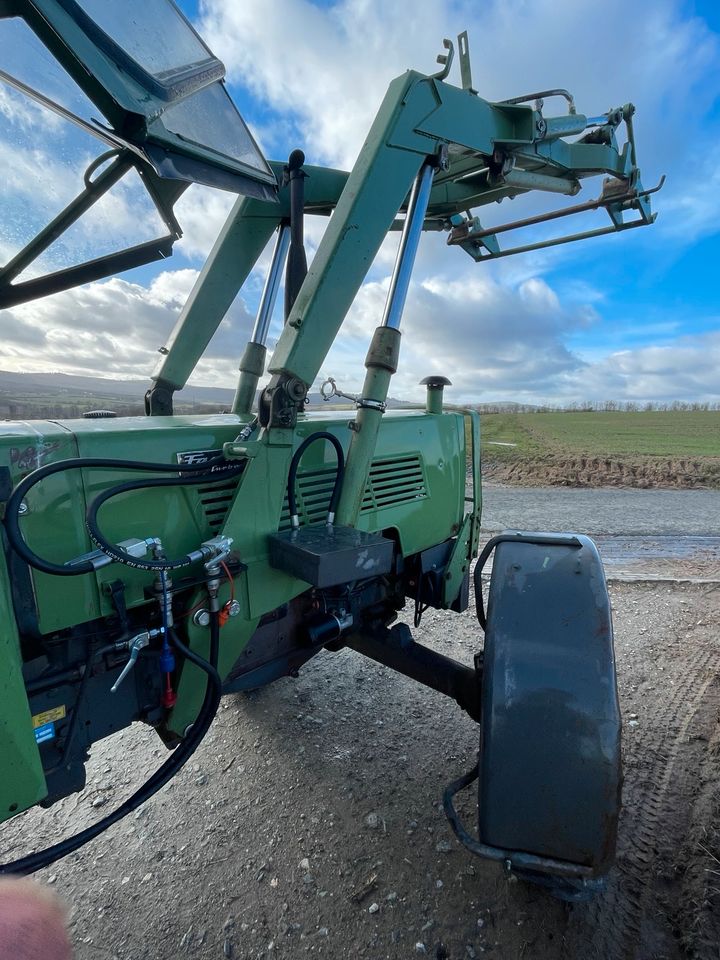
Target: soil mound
x=583, y=471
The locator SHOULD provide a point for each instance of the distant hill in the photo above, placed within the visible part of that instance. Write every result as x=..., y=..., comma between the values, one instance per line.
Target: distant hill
x=63, y=383
x=53, y=395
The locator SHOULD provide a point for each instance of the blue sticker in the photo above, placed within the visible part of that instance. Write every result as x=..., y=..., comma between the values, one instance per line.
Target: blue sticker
x=45, y=732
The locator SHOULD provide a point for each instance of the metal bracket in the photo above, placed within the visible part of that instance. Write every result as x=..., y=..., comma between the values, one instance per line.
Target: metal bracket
x=116, y=163
x=512, y=859
x=397, y=649
x=280, y=400
x=540, y=96
x=446, y=59
x=465, y=68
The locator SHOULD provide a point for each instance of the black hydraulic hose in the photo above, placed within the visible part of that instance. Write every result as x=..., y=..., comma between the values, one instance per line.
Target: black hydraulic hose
x=294, y=463
x=211, y=702
x=117, y=553
x=12, y=511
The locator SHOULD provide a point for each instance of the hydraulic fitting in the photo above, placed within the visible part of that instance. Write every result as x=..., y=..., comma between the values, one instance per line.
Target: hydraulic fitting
x=133, y=548
x=213, y=550
x=134, y=645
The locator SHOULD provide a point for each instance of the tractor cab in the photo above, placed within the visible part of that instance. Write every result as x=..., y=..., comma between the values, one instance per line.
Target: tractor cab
x=134, y=99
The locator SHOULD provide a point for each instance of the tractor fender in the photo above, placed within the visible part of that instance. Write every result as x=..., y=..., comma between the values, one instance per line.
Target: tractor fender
x=549, y=765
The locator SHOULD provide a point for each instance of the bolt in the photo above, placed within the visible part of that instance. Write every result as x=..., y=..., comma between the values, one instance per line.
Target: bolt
x=22, y=509
x=233, y=608
x=201, y=618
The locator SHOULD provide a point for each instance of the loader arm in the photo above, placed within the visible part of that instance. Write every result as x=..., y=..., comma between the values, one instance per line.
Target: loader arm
x=495, y=151
x=474, y=152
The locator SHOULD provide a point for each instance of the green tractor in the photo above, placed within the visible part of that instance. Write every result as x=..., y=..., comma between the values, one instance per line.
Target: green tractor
x=151, y=564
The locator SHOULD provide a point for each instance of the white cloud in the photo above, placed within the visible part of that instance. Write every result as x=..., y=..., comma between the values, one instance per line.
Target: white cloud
x=201, y=213
x=115, y=328
x=498, y=331
x=327, y=69
x=20, y=111
x=38, y=181
x=688, y=365
x=691, y=205
x=324, y=72
x=487, y=338
x=496, y=342
x=513, y=325
x=493, y=342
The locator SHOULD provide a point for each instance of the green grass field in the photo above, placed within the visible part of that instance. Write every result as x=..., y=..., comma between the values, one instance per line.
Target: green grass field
x=676, y=434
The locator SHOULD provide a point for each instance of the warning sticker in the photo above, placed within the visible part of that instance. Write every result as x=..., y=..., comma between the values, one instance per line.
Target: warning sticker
x=48, y=716
x=45, y=732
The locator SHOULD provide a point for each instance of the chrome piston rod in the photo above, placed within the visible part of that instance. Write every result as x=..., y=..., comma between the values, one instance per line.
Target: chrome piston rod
x=252, y=364
x=272, y=285
x=409, y=240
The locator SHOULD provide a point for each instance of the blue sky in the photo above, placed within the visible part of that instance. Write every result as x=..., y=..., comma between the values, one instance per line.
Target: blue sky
x=633, y=316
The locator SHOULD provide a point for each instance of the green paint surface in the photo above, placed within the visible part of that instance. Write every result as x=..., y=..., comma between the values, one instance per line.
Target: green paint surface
x=22, y=783
x=415, y=489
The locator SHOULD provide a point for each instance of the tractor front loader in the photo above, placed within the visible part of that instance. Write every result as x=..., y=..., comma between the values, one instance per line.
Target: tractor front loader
x=151, y=564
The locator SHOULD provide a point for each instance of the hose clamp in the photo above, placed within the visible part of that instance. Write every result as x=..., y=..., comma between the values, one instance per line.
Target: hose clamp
x=371, y=404
x=329, y=389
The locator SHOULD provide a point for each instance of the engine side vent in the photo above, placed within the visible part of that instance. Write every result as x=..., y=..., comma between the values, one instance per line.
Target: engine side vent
x=390, y=482
x=393, y=481
x=216, y=499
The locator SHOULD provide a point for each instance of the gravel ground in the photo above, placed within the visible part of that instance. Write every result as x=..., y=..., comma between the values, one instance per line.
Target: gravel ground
x=309, y=822
x=605, y=510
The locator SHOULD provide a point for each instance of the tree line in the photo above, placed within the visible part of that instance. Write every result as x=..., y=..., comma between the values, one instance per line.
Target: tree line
x=604, y=406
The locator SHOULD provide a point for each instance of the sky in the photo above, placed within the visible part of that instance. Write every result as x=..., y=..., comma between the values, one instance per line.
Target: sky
x=632, y=316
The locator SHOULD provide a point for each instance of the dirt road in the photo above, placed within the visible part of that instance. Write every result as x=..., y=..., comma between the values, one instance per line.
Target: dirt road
x=604, y=510
x=648, y=534
x=310, y=823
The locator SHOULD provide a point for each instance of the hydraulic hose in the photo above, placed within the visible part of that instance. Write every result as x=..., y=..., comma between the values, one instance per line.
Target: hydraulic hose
x=198, y=473
x=295, y=462
x=116, y=552
x=211, y=702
